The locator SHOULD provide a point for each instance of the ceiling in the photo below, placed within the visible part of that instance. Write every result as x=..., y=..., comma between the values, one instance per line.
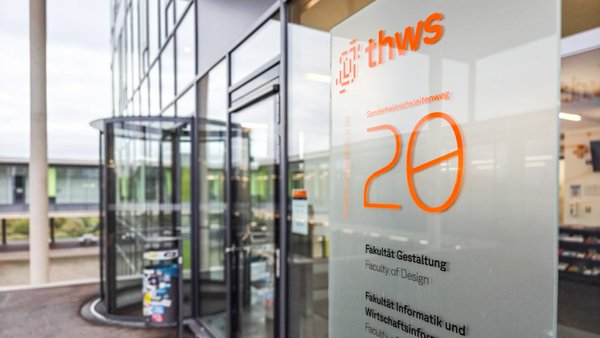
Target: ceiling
x=579, y=15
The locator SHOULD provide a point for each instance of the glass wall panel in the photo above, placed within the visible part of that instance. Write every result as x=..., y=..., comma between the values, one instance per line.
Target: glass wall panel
x=308, y=159
x=154, y=90
x=167, y=70
x=143, y=27
x=144, y=108
x=257, y=50
x=136, y=42
x=76, y=185
x=153, y=23
x=186, y=105
x=186, y=47
x=212, y=117
x=181, y=6
x=168, y=21
x=5, y=185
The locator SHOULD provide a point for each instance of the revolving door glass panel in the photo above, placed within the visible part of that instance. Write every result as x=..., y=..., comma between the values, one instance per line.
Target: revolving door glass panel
x=147, y=194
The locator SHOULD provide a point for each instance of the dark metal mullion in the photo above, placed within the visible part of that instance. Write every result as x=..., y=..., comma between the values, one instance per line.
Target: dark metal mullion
x=281, y=308
x=159, y=53
x=175, y=58
x=4, y=231
x=195, y=221
x=101, y=217
x=231, y=326
x=52, y=228
x=248, y=78
x=110, y=219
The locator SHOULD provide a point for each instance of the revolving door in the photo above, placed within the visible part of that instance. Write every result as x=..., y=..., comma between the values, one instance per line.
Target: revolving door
x=146, y=169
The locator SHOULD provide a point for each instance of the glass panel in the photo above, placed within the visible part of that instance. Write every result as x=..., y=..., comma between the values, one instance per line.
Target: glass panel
x=186, y=105
x=167, y=69
x=115, y=83
x=169, y=17
x=143, y=28
x=308, y=161
x=154, y=91
x=5, y=185
x=258, y=49
x=444, y=170
x=135, y=104
x=169, y=111
x=135, y=41
x=254, y=205
x=76, y=185
x=144, y=109
x=128, y=30
x=181, y=7
x=150, y=159
x=153, y=21
x=186, y=49
x=212, y=297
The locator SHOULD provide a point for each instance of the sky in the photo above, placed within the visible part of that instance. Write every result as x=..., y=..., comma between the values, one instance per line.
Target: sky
x=78, y=77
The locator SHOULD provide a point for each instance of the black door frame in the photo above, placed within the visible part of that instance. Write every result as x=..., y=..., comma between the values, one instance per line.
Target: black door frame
x=265, y=91
x=280, y=88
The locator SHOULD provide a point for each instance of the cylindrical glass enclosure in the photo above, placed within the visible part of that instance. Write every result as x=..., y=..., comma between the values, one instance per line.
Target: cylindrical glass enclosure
x=146, y=193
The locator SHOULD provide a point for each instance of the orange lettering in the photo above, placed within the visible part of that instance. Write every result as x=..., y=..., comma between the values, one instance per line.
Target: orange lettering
x=383, y=170
x=385, y=40
x=410, y=170
x=412, y=38
x=437, y=30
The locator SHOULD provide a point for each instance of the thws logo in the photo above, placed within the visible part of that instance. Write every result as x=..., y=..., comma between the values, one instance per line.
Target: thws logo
x=429, y=31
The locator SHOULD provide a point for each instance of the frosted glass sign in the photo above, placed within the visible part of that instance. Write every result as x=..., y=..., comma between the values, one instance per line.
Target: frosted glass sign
x=444, y=170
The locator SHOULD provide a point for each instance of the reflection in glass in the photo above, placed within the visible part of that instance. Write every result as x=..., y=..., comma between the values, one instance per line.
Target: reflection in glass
x=154, y=90
x=153, y=19
x=261, y=47
x=212, y=113
x=167, y=72
x=253, y=220
x=146, y=161
x=186, y=46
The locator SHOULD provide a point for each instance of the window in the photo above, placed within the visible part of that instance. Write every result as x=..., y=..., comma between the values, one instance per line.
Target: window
x=260, y=48
x=186, y=48
x=167, y=76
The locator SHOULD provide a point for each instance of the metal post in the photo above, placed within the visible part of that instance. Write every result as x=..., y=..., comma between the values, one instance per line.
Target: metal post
x=4, y=231
x=38, y=162
x=52, y=231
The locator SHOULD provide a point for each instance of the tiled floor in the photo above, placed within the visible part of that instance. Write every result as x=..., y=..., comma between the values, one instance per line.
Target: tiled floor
x=54, y=313
x=569, y=332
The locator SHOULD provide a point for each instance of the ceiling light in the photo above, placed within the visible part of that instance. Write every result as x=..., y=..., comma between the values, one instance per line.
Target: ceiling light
x=318, y=77
x=569, y=117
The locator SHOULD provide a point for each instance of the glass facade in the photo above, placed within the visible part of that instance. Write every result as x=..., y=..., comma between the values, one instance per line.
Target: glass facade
x=258, y=169
x=67, y=185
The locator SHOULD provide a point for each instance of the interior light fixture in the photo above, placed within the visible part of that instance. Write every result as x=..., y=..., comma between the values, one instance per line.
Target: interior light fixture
x=569, y=117
x=318, y=77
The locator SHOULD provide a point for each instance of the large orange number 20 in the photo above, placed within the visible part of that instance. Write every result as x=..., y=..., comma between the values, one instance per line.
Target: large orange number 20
x=412, y=170
x=385, y=169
